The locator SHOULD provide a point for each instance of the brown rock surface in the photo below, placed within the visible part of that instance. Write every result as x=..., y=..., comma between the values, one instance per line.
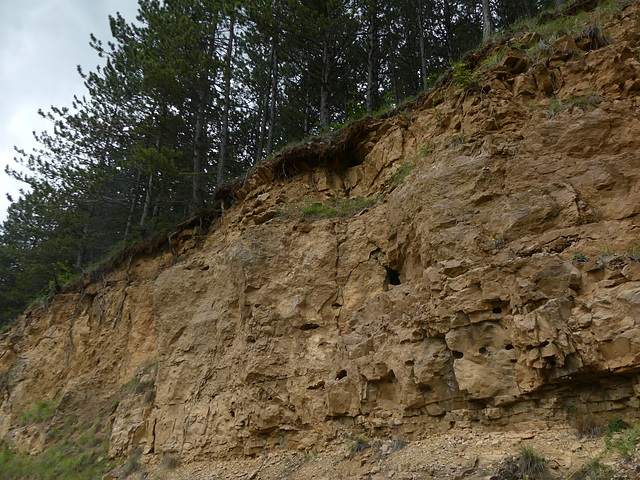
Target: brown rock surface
x=457, y=300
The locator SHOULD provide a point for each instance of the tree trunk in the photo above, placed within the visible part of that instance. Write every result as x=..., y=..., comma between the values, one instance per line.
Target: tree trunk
x=372, y=60
x=325, y=119
x=423, y=53
x=146, y=210
x=197, y=185
x=224, y=134
x=274, y=94
x=487, y=27
x=135, y=191
x=447, y=29
x=262, y=127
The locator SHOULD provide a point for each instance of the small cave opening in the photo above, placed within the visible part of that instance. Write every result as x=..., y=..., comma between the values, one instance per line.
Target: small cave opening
x=508, y=347
x=233, y=414
x=425, y=388
x=497, y=309
x=341, y=374
x=309, y=326
x=544, y=344
x=393, y=276
x=483, y=350
x=457, y=354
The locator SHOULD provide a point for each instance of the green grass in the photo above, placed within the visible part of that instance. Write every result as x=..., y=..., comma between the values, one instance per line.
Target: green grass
x=530, y=464
x=634, y=252
x=594, y=469
x=85, y=459
x=335, y=207
x=583, y=102
x=626, y=443
x=493, y=59
x=42, y=412
x=74, y=450
x=359, y=444
x=401, y=174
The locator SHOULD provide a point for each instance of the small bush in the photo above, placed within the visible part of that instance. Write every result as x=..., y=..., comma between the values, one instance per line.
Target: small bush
x=359, y=444
x=170, y=462
x=530, y=464
x=580, y=257
x=634, y=252
x=397, y=445
x=588, y=426
x=617, y=425
x=464, y=77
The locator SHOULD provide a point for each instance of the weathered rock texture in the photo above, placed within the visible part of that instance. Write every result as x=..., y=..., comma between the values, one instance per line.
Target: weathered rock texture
x=457, y=298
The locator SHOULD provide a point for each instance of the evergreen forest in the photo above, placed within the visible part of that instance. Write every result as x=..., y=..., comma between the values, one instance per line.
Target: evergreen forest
x=191, y=94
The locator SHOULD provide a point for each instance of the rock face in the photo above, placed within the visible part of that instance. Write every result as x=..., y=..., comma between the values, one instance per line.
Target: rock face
x=497, y=285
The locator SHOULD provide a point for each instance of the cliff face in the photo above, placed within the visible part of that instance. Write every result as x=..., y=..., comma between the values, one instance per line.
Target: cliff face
x=497, y=284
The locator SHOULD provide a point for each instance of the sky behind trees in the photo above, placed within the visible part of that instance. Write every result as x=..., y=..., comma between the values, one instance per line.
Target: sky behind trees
x=41, y=43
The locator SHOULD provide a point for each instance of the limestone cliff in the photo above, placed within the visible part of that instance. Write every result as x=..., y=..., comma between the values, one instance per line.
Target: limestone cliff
x=486, y=272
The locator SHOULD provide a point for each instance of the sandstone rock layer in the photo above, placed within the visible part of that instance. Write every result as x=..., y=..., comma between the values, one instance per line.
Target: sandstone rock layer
x=497, y=284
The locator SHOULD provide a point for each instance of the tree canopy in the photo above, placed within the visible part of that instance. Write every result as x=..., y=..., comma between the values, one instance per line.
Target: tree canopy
x=192, y=93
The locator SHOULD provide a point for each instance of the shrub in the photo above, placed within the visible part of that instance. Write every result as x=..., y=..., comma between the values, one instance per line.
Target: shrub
x=588, y=426
x=359, y=444
x=530, y=464
x=580, y=257
x=464, y=77
x=617, y=425
x=170, y=462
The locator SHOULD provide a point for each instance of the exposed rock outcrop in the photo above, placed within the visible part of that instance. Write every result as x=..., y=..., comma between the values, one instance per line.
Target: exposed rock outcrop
x=494, y=286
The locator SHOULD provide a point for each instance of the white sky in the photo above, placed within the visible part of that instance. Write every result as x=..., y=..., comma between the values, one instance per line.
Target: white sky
x=41, y=44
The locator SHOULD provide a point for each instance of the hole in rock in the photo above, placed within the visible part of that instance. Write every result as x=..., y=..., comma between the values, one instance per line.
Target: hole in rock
x=551, y=361
x=309, y=326
x=513, y=360
x=341, y=374
x=483, y=350
x=393, y=276
x=233, y=414
x=497, y=309
x=508, y=347
x=457, y=354
x=544, y=344
x=389, y=377
x=425, y=388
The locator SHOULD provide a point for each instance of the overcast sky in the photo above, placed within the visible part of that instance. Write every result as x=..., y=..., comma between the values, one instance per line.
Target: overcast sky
x=41, y=43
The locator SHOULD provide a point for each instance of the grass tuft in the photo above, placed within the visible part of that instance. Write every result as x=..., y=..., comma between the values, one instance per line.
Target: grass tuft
x=42, y=412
